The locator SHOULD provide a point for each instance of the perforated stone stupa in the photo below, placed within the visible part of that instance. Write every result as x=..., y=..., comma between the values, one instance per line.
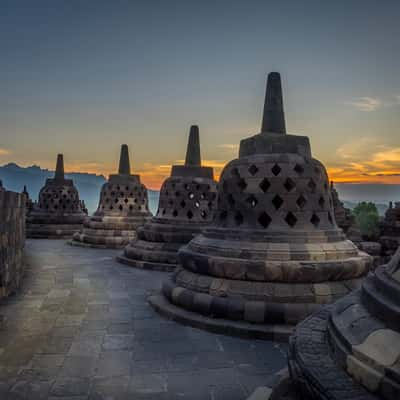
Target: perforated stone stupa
x=59, y=212
x=349, y=350
x=274, y=253
x=123, y=207
x=390, y=229
x=187, y=204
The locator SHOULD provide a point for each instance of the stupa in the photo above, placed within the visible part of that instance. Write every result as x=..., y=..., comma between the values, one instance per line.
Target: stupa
x=349, y=350
x=390, y=230
x=274, y=253
x=123, y=207
x=28, y=200
x=188, y=200
x=344, y=218
x=58, y=213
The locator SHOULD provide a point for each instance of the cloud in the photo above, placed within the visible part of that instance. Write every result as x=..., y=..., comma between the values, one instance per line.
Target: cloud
x=229, y=146
x=366, y=104
x=365, y=160
x=4, y=152
x=369, y=104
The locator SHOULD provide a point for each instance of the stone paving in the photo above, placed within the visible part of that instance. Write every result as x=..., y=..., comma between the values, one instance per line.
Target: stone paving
x=80, y=328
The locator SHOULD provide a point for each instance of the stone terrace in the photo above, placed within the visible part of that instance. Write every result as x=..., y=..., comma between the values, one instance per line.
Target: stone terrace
x=80, y=328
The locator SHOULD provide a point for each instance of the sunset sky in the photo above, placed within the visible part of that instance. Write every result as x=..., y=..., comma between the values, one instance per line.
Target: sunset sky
x=83, y=77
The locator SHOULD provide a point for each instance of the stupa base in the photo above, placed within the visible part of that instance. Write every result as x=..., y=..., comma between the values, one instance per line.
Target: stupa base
x=156, y=256
x=315, y=375
x=98, y=241
x=51, y=231
x=273, y=332
x=149, y=265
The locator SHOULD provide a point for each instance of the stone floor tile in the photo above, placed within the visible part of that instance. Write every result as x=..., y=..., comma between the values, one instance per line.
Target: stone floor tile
x=81, y=327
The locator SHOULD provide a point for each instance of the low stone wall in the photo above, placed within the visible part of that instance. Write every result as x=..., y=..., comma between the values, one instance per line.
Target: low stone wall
x=12, y=240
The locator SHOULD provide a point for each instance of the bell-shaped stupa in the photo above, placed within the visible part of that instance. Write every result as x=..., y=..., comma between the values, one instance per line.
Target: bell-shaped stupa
x=123, y=207
x=274, y=253
x=187, y=204
x=59, y=212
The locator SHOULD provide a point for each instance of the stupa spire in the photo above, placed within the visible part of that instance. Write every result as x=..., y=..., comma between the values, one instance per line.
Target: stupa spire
x=124, y=163
x=273, y=115
x=59, y=175
x=193, y=158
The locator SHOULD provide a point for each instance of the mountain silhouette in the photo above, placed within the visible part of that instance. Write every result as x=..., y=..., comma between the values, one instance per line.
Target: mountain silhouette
x=15, y=178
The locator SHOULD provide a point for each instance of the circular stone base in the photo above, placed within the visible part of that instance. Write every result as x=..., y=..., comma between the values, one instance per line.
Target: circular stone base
x=154, y=266
x=278, y=333
x=51, y=231
x=76, y=243
x=315, y=373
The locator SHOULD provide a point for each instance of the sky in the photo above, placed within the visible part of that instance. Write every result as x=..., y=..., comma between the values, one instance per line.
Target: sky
x=83, y=77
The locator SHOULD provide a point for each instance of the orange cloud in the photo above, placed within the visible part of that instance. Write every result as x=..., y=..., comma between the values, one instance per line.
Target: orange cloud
x=366, y=161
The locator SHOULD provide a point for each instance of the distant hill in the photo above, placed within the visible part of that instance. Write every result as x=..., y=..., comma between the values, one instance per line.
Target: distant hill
x=15, y=177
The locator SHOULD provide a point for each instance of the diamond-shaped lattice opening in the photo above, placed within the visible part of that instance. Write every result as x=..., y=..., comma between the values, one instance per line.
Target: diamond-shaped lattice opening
x=264, y=220
x=264, y=185
x=277, y=201
x=189, y=214
x=191, y=195
x=253, y=169
x=312, y=185
x=291, y=219
x=197, y=204
x=299, y=169
x=252, y=200
x=235, y=172
x=301, y=201
x=321, y=202
x=242, y=184
x=330, y=218
x=315, y=220
x=120, y=207
x=183, y=203
x=276, y=169
x=231, y=200
x=239, y=218
x=222, y=215
x=175, y=213
x=289, y=184
x=203, y=214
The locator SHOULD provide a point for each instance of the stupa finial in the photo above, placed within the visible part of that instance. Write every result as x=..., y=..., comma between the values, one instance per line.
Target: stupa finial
x=124, y=163
x=193, y=158
x=59, y=175
x=273, y=116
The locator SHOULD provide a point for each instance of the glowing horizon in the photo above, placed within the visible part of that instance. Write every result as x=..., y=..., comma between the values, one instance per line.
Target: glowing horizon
x=82, y=80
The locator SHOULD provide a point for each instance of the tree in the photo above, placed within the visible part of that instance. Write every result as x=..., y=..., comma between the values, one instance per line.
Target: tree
x=367, y=218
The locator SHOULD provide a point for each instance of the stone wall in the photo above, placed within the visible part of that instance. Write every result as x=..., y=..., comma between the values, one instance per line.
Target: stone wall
x=12, y=240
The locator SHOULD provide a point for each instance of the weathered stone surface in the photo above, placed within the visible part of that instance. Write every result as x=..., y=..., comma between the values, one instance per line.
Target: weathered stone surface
x=123, y=207
x=59, y=212
x=117, y=347
x=187, y=203
x=12, y=240
x=352, y=348
x=274, y=239
x=390, y=230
